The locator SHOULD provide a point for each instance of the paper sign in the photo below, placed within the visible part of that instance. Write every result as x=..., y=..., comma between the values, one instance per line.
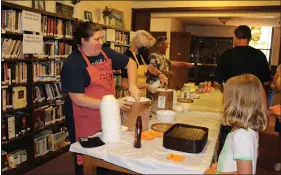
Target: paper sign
x=110, y=35
x=31, y=21
x=32, y=44
x=132, y=33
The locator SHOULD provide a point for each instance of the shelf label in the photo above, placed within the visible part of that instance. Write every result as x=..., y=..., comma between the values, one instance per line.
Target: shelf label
x=31, y=21
x=32, y=44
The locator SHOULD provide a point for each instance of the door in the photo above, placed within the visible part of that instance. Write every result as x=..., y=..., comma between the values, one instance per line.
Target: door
x=179, y=51
x=140, y=20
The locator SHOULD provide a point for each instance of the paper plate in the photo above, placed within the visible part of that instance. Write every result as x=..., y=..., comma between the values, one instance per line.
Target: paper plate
x=184, y=100
x=161, y=127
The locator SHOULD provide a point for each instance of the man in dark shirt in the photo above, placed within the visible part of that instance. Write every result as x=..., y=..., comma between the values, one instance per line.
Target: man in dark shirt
x=240, y=60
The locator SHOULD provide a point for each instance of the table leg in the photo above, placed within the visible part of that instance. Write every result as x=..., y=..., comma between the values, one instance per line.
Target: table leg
x=89, y=165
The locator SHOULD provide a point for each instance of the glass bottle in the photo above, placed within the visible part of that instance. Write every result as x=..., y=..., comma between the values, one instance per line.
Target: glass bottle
x=138, y=130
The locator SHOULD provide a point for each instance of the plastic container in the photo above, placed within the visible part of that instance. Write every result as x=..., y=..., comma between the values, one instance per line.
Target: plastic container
x=186, y=138
x=110, y=119
x=165, y=115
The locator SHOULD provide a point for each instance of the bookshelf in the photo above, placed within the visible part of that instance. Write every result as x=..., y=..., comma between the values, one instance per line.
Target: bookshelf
x=32, y=119
x=39, y=73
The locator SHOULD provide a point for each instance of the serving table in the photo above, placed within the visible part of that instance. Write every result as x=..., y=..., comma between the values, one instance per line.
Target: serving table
x=151, y=158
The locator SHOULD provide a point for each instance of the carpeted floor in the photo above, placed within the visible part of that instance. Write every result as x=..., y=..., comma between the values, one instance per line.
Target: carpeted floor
x=268, y=157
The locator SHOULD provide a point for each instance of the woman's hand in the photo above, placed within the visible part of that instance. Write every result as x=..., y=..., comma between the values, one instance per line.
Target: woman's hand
x=123, y=104
x=163, y=79
x=212, y=170
x=134, y=92
x=188, y=65
x=168, y=73
x=142, y=86
x=275, y=111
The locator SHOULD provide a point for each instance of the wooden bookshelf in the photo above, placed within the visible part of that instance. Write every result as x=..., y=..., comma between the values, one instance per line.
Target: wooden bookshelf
x=26, y=140
x=9, y=5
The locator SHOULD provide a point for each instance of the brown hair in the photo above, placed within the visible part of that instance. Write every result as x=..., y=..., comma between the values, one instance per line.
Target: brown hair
x=159, y=42
x=243, y=32
x=85, y=30
x=245, y=103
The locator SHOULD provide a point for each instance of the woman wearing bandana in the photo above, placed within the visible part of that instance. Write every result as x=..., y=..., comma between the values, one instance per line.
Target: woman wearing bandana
x=141, y=42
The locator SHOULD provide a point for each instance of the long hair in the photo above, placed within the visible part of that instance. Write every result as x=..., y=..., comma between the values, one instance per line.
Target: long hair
x=245, y=103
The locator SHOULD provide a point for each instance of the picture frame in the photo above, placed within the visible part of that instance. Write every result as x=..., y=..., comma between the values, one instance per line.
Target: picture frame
x=88, y=15
x=38, y=4
x=119, y=18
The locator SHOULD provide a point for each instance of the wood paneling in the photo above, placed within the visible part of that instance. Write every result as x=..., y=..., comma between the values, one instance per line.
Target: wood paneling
x=274, y=8
x=140, y=20
x=179, y=51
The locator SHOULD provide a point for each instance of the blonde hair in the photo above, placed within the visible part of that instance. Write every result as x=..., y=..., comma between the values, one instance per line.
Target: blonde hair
x=245, y=103
x=139, y=39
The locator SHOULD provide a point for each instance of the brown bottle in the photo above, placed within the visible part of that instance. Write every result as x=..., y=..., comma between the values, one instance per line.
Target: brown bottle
x=138, y=130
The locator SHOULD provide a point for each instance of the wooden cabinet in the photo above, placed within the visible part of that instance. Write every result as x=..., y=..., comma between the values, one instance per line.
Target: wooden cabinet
x=179, y=51
x=205, y=52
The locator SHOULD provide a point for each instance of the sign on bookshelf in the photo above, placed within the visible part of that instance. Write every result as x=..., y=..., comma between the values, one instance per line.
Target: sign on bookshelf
x=32, y=44
x=31, y=21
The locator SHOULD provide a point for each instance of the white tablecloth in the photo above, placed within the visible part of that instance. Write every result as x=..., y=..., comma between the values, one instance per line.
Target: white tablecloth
x=151, y=158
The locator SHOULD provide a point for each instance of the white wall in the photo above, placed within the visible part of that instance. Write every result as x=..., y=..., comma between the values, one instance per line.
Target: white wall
x=92, y=6
x=215, y=31
x=176, y=25
x=167, y=25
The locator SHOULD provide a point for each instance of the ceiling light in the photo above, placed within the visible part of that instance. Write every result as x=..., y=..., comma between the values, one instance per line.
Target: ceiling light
x=224, y=20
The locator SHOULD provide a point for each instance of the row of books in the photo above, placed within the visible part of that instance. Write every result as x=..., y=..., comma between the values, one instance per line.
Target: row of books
x=117, y=37
x=56, y=27
x=121, y=38
x=46, y=71
x=47, y=115
x=11, y=20
x=11, y=49
x=13, y=98
x=117, y=80
x=13, y=159
x=119, y=49
x=50, y=140
x=13, y=73
x=47, y=92
x=54, y=49
x=15, y=125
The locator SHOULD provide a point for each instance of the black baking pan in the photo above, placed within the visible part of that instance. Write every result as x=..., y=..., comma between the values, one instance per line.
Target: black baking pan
x=185, y=138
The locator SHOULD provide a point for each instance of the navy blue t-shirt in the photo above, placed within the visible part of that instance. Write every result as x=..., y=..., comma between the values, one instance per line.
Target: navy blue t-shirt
x=75, y=77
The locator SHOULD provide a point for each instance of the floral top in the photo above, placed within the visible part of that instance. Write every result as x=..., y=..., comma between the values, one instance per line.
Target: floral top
x=160, y=62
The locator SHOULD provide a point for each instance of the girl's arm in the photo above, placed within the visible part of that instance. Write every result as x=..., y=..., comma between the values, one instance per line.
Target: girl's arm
x=244, y=167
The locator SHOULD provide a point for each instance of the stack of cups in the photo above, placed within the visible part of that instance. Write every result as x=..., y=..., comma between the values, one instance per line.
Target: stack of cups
x=110, y=119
